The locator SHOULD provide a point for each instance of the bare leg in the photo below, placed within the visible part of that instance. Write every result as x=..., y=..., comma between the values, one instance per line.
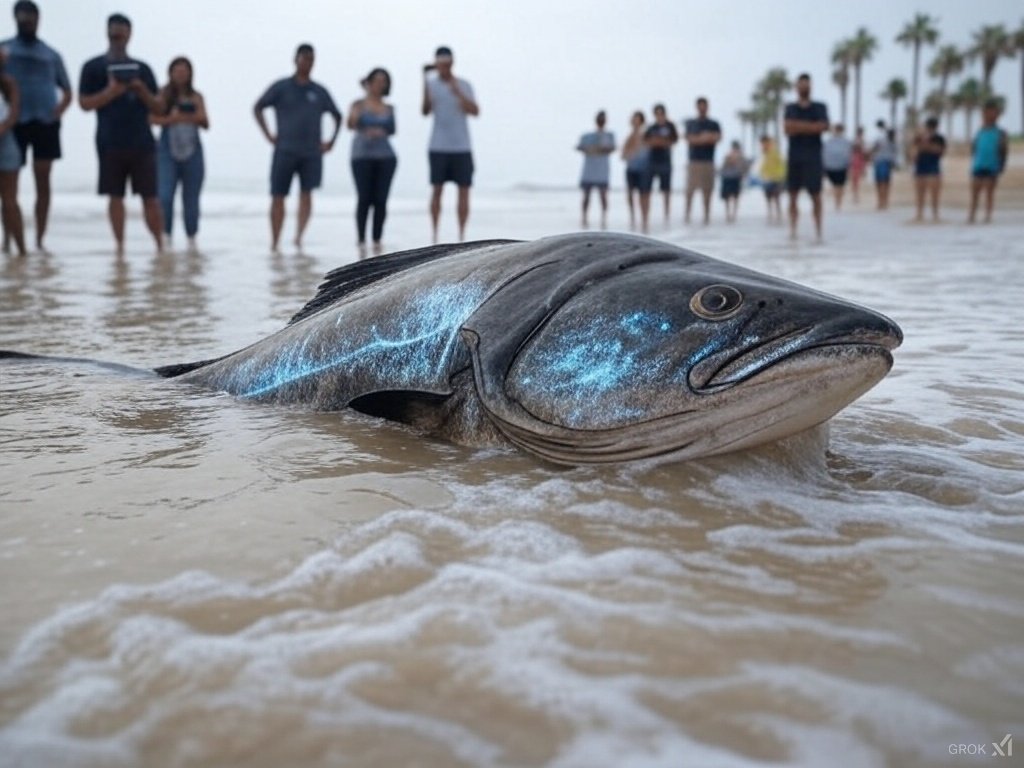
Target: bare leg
x=305, y=211
x=990, y=196
x=688, y=194
x=586, y=206
x=629, y=204
x=793, y=213
x=936, y=193
x=604, y=206
x=463, y=211
x=919, y=189
x=41, y=170
x=667, y=195
x=707, y=205
x=645, y=211
x=276, y=221
x=115, y=211
x=154, y=217
x=816, y=202
x=11, y=211
x=435, y=209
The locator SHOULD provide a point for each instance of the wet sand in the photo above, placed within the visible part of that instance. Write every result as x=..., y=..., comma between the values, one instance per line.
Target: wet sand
x=187, y=579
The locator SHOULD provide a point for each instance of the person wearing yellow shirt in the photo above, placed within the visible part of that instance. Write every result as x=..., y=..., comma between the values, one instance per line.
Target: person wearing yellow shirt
x=773, y=174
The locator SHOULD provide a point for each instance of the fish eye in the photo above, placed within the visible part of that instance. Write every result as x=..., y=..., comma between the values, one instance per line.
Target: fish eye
x=716, y=302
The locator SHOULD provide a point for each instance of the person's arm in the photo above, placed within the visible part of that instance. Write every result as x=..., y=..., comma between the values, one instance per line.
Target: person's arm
x=327, y=146
x=466, y=101
x=13, y=103
x=200, y=116
x=428, y=105
x=64, y=86
x=144, y=86
x=164, y=116
x=91, y=98
x=262, y=103
x=354, y=110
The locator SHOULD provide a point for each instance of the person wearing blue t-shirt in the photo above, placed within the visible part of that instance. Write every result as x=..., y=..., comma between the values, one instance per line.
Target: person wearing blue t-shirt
x=299, y=104
x=988, y=159
x=805, y=121
x=39, y=72
x=123, y=93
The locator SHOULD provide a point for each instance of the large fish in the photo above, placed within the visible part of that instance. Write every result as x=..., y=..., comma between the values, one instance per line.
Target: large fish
x=582, y=348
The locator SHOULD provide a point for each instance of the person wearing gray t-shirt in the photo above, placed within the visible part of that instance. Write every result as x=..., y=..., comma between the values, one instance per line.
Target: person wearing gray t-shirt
x=299, y=104
x=450, y=99
x=596, y=146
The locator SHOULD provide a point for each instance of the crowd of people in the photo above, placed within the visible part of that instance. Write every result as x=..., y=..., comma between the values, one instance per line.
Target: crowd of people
x=35, y=91
x=817, y=150
x=122, y=90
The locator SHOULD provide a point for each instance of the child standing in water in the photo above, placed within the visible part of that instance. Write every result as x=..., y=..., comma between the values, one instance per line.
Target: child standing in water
x=988, y=159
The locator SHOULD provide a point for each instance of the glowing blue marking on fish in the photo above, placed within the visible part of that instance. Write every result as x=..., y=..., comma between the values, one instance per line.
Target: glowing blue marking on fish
x=434, y=316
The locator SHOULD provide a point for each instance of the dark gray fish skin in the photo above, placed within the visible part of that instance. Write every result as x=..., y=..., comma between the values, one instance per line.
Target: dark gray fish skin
x=582, y=348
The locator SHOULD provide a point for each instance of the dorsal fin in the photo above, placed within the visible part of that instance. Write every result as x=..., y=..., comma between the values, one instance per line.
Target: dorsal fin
x=344, y=280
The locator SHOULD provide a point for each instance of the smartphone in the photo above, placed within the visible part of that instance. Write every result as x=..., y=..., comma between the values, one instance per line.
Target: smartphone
x=125, y=72
x=429, y=67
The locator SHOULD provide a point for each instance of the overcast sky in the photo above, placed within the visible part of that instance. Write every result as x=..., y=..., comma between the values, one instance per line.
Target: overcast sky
x=540, y=68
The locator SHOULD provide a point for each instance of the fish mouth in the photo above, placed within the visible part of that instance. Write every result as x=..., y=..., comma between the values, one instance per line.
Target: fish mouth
x=721, y=371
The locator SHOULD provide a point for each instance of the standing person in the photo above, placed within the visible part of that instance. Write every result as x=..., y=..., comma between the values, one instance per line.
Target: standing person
x=122, y=91
x=596, y=146
x=636, y=155
x=299, y=105
x=660, y=139
x=883, y=155
x=929, y=146
x=702, y=134
x=858, y=162
x=180, y=153
x=39, y=72
x=10, y=158
x=450, y=99
x=805, y=121
x=988, y=159
x=837, y=154
x=773, y=176
x=734, y=167
x=373, y=160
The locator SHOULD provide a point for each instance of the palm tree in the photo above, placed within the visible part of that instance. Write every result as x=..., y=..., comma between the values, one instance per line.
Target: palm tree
x=862, y=46
x=841, y=57
x=894, y=91
x=948, y=61
x=991, y=42
x=919, y=31
x=769, y=90
x=969, y=97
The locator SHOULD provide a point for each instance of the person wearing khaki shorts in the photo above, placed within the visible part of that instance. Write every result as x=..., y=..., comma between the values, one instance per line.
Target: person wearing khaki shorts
x=701, y=134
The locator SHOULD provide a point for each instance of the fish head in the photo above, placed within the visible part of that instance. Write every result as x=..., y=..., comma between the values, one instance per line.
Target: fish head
x=649, y=350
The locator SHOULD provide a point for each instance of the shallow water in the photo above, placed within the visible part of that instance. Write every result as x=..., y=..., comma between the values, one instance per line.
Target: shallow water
x=187, y=579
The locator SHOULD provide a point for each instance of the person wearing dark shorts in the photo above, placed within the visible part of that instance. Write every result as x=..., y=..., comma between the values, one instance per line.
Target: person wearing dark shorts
x=660, y=138
x=805, y=121
x=39, y=72
x=450, y=100
x=299, y=105
x=837, y=154
x=929, y=146
x=123, y=93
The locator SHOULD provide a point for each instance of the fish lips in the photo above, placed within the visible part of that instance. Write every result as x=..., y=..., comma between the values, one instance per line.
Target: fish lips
x=860, y=334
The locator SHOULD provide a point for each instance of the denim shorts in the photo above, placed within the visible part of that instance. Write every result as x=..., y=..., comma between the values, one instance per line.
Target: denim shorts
x=10, y=153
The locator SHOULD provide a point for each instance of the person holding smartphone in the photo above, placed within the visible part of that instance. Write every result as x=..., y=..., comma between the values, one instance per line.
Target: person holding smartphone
x=180, y=153
x=122, y=92
x=450, y=99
